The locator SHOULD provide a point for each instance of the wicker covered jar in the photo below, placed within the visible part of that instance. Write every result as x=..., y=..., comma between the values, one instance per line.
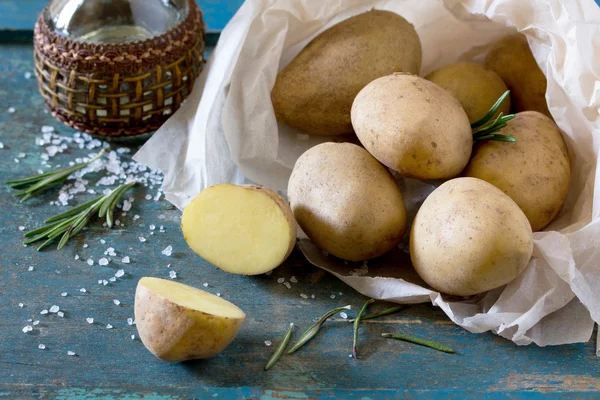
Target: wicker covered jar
x=117, y=68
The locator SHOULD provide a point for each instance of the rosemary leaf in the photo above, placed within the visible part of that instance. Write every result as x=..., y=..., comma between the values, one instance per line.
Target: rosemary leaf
x=485, y=128
x=72, y=211
x=492, y=111
x=388, y=311
x=356, y=324
x=280, y=348
x=422, y=342
x=314, y=329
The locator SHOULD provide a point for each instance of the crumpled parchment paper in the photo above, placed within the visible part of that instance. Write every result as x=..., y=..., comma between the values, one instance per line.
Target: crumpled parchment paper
x=226, y=132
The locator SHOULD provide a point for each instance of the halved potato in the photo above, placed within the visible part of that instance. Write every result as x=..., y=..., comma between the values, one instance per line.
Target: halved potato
x=177, y=322
x=242, y=229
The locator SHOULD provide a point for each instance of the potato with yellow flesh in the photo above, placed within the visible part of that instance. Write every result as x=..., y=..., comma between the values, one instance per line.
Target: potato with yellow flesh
x=177, y=322
x=413, y=127
x=511, y=58
x=346, y=202
x=475, y=87
x=535, y=171
x=469, y=237
x=242, y=229
x=314, y=92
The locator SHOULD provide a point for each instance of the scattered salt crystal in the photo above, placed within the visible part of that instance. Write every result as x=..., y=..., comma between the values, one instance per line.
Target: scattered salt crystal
x=21, y=228
x=117, y=223
x=218, y=294
x=126, y=205
x=280, y=280
x=120, y=273
x=85, y=245
x=152, y=227
x=70, y=353
x=104, y=282
x=293, y=279
x=90, y=320
x=343, y=315
x=82, y=290
x=102, y=241
x=168, y=265
x=268, y=342
x=64, y=294
x=287, y=285
x=132, y=337
x=11, y=110
x=27, y=75
x=41, y=346
x=205, y=284
x=109, y=326
x=77, y=256
x=268, y=273
x=90, y=261
x=60, y=314
x=54, y=309
x=21, y=305
x=1, y=145
x=99, y=281
x=157, y=197
x=31, y=268
x=36, y=322
x=172, y=274
x=148, y=197
x=126, y=260
x=162, y=228
x=44, y=312
x=112, y=279
x=136, y=217
x=27, y=328
x=103, y=261
x=142, y=239
x=168, y=251
x=117, y=302
x=303, y=296
x=332, y=296
x=340, y=293
x=16, y=160
x=47, y=129
x=129, y=321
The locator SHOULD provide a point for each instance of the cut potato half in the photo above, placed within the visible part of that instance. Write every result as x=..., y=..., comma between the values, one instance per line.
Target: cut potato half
x=242, y=229
x=177, y=322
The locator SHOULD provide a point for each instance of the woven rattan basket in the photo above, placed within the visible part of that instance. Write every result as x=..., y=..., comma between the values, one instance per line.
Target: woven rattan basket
x=119, y=90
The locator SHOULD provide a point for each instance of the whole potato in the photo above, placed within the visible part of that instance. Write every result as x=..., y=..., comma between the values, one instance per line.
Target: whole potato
x=413, y=126
x=314, y=92
x=346, y=202
x=535, y=171
x=469, y=237
x=475, y=87
x=511, y=58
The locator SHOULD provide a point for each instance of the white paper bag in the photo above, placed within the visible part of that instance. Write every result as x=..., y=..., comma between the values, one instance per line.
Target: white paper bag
x=227, y=132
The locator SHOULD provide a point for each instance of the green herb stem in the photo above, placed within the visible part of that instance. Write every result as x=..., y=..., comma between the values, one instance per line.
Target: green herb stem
x=356, y=324
x=486, y=127
x=280, y=348
x=422, y=342
x=314, y=329
x=388, y=311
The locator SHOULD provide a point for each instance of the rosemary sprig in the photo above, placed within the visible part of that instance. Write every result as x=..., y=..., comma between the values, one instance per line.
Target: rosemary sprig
x=388, y=311
x=32, y=185
x=314, y=329
x=280, y=348
x=486, y=127
x=422, y=342
x=69, y=223
x=356, y=324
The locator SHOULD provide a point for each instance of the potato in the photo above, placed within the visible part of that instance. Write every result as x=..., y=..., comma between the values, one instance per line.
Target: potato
x=346, y=202
x=475, y=87
x=177, y=322
x=535, y=171
x=314, y=92
x=511, y=58
x=469, y=237
x=413, y=126
x=243, y=229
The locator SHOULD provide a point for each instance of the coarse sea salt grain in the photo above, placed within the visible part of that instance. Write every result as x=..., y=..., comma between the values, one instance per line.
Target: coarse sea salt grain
x=90, y=320
x=120, y=273
x=27, y=75
x=172, y=274
x=31, y=268
x=27, y=328
x=36, y=322
x=129, y=321
x=104, y=282
x=136, y=217
x=126, y=260
x=112, y=279
x=287, y=285
x=103, y=261
x=64, y=294
x=293, y=279
x=102, y=241
x=142, y=239
x=332, y=296
x=21, y=228
x=44, y=312
x=54, y=309
x=152, y=227
x=168, y=251
x=218, y=294
x=280, y=280
x=70, y=353
x=205, y=284
x=11, y=110
x=1, y=145
x=303, y=296
x=109, y=326
x=132, y=337
x=41, y=346
x=343, y=315
x=117, y=302
x=76, y=256
x=82, y=290
x=312, y=296
x=268, y=342
x=90, y=261
x=148, y=197
x=21, y=305
x=85, y=245
x=126, y=205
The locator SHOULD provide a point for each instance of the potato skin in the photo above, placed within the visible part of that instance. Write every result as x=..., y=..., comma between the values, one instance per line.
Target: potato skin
x=174, y=333
x=346, y=202
x=535, y=171
x=413, y=127
x=511, y=58
x=469, y=237
x=475, y=87
x=314, y=92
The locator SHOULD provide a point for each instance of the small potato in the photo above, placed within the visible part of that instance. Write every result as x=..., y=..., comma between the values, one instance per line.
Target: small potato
x=346, y=202
x=177, y=322
x=535, y=171
x=469, y=237
x=243, y=229
x=413, y=127
x=511, y=58
x=475, y=87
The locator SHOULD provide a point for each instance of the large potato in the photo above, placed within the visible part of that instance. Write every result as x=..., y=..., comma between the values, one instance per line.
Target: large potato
x=535, y=171
x=347, y=202
x=177, y=322
x=413, y=126
x=242, y=229
x=314, y=92
x=469, y=237
x=475, y=87
x=511, y=58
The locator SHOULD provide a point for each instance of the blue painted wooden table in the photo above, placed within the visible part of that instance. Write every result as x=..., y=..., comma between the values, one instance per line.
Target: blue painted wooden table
x=109, y=364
